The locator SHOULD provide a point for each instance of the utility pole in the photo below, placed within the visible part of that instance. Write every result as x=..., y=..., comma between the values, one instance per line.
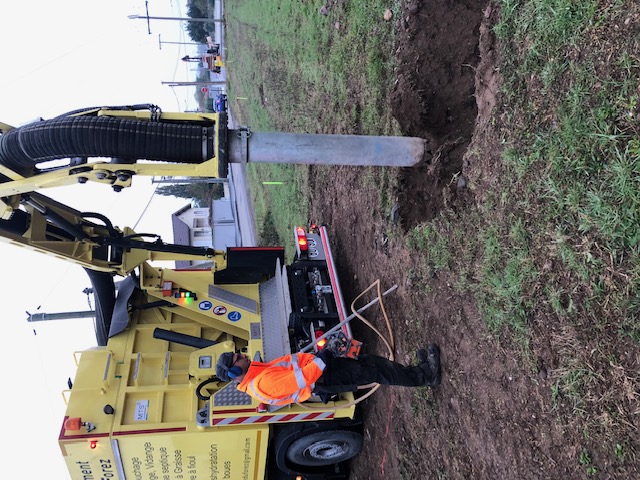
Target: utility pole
x=179, y=19
x=43, y=317
x=182, y=84
x=184, y=181
x=160, y=42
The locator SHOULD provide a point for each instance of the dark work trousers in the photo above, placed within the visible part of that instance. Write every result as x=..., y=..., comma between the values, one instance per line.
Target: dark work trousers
x=345, y=374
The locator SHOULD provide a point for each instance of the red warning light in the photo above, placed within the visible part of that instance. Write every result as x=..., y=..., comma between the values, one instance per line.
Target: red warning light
x=93, y=444
x=302, y=239
x=321, y=343
x=73, y=423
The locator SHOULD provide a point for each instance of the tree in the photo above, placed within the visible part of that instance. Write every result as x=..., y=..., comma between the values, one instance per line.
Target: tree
x=198, y=31
x=201, y=193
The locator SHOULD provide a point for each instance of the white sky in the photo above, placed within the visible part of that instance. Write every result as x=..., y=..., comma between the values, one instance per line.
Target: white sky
x=56, y=56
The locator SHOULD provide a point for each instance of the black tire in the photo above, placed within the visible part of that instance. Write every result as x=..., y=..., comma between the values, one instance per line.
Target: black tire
x=324, y=448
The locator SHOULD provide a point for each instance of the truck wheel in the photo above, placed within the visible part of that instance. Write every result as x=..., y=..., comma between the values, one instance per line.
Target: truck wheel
x=324, y=448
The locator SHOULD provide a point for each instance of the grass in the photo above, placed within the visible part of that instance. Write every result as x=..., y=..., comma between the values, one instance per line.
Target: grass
x=585, y=144
x=430, y=240
x=559, y=237
x=587, y=462
x=316, y=62
x=298, y=71
x=572, y=163
x=279, y=207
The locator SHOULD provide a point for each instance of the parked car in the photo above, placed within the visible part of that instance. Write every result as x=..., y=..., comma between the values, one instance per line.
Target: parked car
x=220, y=103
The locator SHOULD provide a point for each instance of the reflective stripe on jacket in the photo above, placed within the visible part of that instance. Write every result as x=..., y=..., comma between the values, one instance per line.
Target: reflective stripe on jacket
x=285, y=380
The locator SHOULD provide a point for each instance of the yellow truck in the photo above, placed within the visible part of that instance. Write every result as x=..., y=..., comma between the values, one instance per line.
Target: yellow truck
x=146, y=402
x=148, y=405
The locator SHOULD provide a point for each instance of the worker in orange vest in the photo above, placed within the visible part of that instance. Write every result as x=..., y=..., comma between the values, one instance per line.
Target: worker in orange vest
x=294, y=378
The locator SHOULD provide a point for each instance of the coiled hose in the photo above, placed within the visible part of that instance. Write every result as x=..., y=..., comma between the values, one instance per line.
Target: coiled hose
x=390, y=344
x=23, y=148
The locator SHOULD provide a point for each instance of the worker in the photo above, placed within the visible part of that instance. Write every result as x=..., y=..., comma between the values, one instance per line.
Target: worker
x=294, y=378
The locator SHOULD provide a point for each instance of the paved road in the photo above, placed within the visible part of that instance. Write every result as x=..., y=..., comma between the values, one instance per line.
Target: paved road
x=238, y=182
x=242, y=200
x=245, y=217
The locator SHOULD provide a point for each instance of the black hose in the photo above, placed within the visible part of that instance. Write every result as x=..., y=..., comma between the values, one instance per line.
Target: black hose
x=104, y=294
x=112, y=231
x=140, y=235
x=182, y=339
x=150, y=305
x=94, y=110
x=55, y=218
x=21, y=149
x=203, y=384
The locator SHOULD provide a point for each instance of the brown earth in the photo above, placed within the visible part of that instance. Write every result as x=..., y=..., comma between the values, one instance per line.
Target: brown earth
x=492, y=416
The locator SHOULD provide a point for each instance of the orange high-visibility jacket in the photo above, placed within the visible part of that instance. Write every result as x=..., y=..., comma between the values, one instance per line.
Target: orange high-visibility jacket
x=285, y=380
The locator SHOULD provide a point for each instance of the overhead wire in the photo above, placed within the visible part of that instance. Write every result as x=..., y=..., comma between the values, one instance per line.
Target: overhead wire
x=146, y=207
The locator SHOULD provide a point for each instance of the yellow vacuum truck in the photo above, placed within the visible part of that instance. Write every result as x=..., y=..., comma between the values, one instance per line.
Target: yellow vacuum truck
x=146, y=403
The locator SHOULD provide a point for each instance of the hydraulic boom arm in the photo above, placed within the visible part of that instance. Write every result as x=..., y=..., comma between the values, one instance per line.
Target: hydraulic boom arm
x=106, y=145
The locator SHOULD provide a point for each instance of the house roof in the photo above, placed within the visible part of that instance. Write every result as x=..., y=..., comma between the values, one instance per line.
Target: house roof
x=181, y=234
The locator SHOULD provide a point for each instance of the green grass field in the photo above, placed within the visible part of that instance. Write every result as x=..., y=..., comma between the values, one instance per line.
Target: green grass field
x=298, y=71
x=559, y=236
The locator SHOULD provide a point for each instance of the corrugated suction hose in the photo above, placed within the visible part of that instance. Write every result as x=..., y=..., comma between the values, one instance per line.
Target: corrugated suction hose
x=23, y=148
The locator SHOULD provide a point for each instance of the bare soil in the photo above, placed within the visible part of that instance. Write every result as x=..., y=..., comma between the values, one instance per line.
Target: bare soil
x=492, y=416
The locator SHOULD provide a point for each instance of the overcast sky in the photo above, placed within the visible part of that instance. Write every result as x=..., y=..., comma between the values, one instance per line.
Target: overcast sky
x=57, y=56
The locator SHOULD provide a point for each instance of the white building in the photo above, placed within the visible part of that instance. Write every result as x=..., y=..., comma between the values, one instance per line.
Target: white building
x=213, y=227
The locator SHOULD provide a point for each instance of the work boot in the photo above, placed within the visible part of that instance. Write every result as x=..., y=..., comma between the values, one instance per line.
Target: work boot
x=433, y=359
x=422, y=356
x=430, y=363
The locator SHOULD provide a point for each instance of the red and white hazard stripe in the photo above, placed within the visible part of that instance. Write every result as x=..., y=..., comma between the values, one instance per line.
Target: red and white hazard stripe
x=300, y=417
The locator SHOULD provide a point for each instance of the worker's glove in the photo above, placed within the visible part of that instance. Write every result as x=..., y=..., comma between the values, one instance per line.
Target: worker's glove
x=324, y=355
x=338, y=344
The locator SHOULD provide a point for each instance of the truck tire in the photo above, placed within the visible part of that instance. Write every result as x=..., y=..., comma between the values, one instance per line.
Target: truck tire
x=324, y=448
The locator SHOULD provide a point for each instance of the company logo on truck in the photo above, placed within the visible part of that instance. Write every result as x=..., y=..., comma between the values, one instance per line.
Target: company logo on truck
x=105, y=466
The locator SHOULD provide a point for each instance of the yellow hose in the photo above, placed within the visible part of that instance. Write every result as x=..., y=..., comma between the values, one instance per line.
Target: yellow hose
x=389, y=344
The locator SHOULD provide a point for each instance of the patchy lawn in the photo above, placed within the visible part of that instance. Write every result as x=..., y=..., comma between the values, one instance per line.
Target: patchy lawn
x=516, y=248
